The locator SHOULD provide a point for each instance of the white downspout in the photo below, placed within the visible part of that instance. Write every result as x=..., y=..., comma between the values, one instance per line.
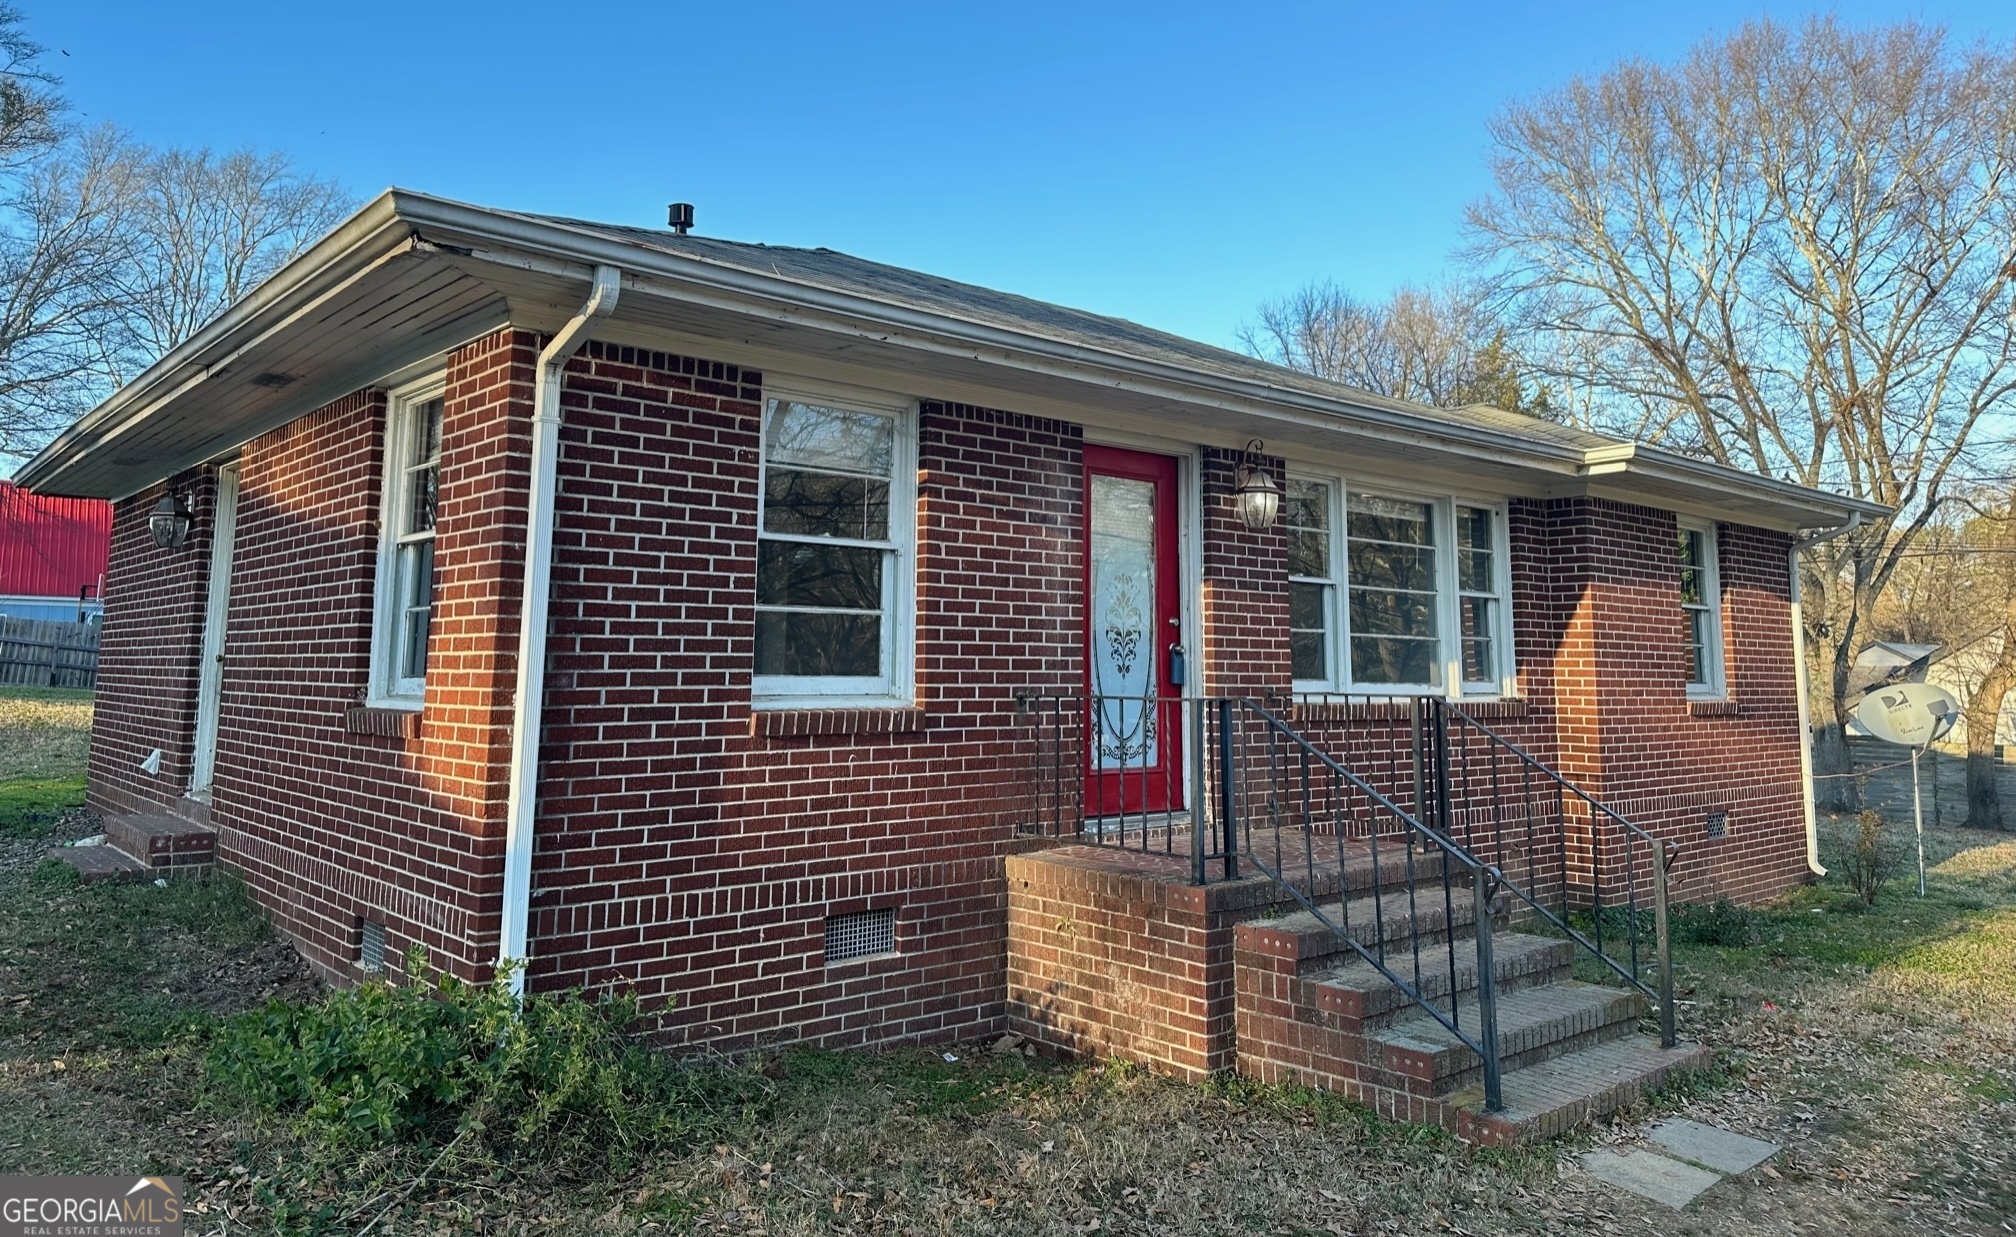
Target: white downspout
x=528, y=704
x=1806, y=687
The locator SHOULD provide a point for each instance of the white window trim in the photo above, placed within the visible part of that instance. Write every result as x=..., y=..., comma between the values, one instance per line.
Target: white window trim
x=387, y=690
x=896, y=686
x=1717, y=686
x=1448, y=595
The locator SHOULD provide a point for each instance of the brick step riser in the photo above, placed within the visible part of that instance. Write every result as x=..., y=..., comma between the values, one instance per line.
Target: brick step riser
x=1456, y=1067
x=1392, y=1005
x=181, y=847
x=1322, y=949
x=1358, y=878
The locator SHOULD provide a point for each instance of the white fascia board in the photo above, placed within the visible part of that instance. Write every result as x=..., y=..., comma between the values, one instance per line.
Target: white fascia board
x=1803, y=508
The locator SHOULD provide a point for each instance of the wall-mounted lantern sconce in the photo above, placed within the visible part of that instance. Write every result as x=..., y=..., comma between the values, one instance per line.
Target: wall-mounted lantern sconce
x=169, y=521
x=1259, y=497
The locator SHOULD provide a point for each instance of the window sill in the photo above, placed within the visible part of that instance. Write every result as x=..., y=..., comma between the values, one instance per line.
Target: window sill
x=794, y=723
x=387, y=722
x=1714, y=708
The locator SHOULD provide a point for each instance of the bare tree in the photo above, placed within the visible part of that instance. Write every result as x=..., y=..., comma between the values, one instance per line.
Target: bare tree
x=206, y=228
x=1433, y=346
x=112, y=253
x=1792, y=252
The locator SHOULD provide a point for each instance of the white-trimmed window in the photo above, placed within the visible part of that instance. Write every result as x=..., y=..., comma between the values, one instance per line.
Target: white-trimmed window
x=1396, y=592
x=834, y=550
x=1701, y=608
x=405, y=593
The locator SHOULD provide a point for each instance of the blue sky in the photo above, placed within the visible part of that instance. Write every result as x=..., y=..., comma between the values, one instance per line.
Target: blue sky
x=1171, y=163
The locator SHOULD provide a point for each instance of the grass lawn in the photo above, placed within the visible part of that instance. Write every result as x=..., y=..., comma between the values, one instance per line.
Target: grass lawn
x=1878, y=1045
x=45, y=734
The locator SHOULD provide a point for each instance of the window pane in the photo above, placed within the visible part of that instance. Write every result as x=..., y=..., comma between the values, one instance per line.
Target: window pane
x=416, y=597
x=1391, y=660
x=1374, y=565
x=422, y=492
x=1479, y=616
x=1474, y=571
x=1306, y=504
x=1698, y=636
x=1307, y=606
x=1308, y=553
x=427, y=431
x=1690, y=586
x=1477, y=664
x=1307, y=651
x=1473, y=528
x=1690, y=547
x=825, y=505
x=1389, y=519
x=831, y=438
x=792, y=573
x=1375, y=612
x=798, y=643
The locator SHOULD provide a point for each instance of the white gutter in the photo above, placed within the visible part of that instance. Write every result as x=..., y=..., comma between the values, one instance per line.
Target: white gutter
x=1805, y=690
x=528, y=703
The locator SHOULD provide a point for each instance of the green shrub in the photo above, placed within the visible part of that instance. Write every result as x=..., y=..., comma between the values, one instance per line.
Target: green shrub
x=556, y=1077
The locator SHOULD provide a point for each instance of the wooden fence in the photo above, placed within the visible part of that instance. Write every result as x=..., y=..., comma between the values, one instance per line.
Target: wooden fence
x=46, y=653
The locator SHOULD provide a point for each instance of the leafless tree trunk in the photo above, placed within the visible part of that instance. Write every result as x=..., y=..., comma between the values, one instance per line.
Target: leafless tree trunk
x=1792, y=252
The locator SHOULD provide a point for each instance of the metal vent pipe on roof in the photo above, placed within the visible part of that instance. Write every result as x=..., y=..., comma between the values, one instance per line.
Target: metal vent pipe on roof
x=679, y=217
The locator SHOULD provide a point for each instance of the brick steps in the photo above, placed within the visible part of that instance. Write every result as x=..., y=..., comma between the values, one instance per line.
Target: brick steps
x=1567, y=1092
x=1392, y=917
x=163, y=841
x=143, y=847
x=1309, y=1008
x=1534, y=1025
x=1359, y=994
x=103, y=862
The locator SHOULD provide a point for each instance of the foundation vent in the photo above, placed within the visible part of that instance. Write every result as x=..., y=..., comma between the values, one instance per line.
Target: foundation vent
x=862, y=934
x=1718, y=824
x=371, y=947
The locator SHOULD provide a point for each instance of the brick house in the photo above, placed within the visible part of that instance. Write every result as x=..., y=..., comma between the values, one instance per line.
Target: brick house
x=784, y=634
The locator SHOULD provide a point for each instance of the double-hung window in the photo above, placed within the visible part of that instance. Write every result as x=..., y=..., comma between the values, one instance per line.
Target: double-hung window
x=1395, y=592
x=405, y=588
x=1701, y=608
x=834, y=549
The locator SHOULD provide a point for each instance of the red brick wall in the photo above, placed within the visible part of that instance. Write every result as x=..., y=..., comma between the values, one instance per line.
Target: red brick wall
x=1245, y=602
x=1628, y=732
x=685, y=854
x=148, y=650
x=329, y=822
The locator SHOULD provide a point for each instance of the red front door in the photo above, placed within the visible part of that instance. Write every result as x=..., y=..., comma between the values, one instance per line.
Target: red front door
x=1133, y=591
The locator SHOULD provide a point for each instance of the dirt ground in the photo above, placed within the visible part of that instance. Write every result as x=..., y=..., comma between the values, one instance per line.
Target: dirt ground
x=1878, y=1045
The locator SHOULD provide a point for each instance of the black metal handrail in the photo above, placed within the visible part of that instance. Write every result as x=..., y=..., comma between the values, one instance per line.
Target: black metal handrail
x=1661, y=854
x=1205, y=780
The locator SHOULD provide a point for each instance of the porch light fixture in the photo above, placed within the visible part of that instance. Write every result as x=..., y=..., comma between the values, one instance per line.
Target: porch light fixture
x=169, y=521
x=1259, y=497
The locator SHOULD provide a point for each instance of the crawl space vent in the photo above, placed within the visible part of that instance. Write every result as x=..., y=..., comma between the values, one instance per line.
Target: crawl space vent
x=1718, y=824
x=860, y=935
x=371, y=950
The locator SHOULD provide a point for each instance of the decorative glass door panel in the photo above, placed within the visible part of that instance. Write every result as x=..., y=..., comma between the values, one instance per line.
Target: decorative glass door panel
x=1133, y=630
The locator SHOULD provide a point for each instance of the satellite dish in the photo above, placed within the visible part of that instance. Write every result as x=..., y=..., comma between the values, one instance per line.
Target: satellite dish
x=1909, y=714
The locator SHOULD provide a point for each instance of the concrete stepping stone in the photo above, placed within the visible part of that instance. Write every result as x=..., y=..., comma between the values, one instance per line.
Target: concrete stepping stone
x=1649, y=1175
x=1710, y=1147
